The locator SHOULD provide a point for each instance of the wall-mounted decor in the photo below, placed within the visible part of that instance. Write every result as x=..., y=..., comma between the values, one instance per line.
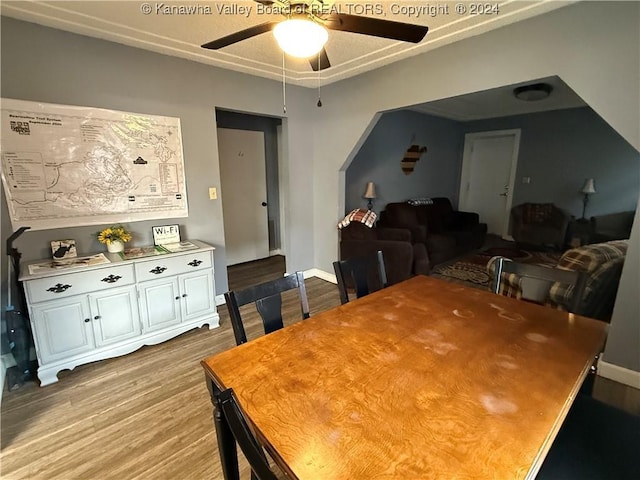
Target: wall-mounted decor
x=65, y=166
x=63, y=249
x=411, y=156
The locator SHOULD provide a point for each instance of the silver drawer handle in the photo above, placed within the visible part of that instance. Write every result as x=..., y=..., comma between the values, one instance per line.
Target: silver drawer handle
x=58, y=288
x=111, y=279
x=158, y=270
x=194, y=263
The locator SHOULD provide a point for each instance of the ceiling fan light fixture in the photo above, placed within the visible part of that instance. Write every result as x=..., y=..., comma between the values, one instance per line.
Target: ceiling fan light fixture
x=300, y=38
x=533, y=92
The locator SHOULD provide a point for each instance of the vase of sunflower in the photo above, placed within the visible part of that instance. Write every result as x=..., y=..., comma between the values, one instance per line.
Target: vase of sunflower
x=114, y=237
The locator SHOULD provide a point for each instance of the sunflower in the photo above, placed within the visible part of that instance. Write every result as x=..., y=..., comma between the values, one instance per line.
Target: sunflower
x=114, y=233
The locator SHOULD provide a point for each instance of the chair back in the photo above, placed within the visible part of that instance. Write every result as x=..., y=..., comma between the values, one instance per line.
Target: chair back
x=364, y=274
x=536, y=281
x=244, y=436
x=268, y=300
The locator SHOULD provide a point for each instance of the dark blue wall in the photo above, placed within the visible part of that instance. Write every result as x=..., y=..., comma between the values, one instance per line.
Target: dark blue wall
x=558, y=151
x=436, y=174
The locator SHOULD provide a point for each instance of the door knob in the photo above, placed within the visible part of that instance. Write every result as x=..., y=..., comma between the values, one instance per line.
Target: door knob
x=264, y=204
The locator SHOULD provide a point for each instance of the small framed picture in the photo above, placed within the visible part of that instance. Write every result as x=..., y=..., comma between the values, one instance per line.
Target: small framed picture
x=63, y=249
x=163, y=234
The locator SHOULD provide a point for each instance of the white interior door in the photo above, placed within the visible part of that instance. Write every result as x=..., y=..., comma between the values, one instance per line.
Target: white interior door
x=244, y=194
x=488, y=176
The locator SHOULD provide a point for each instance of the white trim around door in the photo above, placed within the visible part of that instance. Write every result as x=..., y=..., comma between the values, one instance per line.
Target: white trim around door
x=471, y=171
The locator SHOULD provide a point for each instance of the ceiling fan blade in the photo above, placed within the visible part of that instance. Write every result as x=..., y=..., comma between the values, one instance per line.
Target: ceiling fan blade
x=239, y=36
x=320, y=61
x=405, y=32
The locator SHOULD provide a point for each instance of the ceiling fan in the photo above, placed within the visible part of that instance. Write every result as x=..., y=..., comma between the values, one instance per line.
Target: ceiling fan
x=304, y=33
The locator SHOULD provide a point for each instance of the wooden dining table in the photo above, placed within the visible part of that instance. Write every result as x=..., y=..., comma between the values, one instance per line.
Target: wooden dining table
x=425, y=379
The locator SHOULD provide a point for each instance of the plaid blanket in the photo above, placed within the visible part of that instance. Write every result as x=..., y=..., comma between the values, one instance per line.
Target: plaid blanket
x=368, y=217
x=594, y=259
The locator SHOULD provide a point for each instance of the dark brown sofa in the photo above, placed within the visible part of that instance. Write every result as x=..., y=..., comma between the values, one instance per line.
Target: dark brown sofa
x=613, y=226
x=402, y=258
x=445, y=232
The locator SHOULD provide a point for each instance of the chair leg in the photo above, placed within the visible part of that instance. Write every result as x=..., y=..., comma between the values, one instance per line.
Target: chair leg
x=226, y=441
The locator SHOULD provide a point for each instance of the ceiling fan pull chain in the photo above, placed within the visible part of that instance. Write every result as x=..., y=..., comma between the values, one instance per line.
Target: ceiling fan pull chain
x=284, y=86
x=319, y=104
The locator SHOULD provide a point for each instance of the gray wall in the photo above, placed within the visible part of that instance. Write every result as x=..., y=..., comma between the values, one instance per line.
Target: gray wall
x=48, y=65
x=560, y=149
x=269, y=126
x=436, y=174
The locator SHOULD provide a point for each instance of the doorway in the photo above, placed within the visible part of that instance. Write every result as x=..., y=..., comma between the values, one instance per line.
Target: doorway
x=275, y=181
x=488, y=177
x=244, y=194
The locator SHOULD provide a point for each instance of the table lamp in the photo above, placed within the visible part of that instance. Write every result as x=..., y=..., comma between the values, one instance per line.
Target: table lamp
x=587, y=189
x=370, y=194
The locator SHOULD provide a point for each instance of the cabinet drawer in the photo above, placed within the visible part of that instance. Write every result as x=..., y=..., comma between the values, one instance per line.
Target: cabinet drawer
x=62, y=286
x=166, y=267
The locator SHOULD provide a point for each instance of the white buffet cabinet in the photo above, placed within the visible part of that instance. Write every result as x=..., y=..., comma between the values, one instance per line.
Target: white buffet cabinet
x=83, y=314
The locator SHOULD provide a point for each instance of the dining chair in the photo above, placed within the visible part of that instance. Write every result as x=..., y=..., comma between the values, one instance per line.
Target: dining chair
x=253, y=452
x=268, y=300
x=364, y=274
x=536, y=281
x=596, y=442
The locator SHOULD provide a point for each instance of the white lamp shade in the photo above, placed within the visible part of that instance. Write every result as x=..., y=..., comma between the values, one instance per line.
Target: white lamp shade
x=370, y=191
x=300, y=38
x=589, y=186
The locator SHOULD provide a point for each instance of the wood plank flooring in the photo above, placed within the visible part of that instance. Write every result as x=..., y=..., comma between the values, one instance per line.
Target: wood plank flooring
x=147, y=415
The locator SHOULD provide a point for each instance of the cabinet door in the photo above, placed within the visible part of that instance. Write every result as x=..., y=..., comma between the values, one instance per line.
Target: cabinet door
x=115, y=315
x=196, y=291
x=62, y=328
x=159, y=304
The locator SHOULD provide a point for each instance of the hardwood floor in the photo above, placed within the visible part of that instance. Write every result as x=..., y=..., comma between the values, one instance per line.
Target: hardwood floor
x=147, y=415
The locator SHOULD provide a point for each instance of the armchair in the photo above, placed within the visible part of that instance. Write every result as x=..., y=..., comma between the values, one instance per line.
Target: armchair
x=539, y=225
x=402, y=258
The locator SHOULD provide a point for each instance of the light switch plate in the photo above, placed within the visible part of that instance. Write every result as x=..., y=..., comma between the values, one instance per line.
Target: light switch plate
x=213, y=193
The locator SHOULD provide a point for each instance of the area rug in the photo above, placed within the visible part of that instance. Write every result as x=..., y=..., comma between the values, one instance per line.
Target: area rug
x=471, y=269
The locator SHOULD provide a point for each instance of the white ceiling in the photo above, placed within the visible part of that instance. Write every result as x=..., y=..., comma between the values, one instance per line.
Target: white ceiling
x=350, y=54
x=501, y=102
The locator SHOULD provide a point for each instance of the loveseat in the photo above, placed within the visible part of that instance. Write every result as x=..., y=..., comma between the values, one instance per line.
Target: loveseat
x=612, y=226
x=402, y=258
x=445, y=232
x=602, y=262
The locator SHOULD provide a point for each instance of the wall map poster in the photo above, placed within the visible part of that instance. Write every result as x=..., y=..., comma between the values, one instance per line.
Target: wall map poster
x=65, y=166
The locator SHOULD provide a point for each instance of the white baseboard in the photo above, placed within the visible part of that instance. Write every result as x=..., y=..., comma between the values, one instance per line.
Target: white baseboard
x=277, y=251
x=6, y=361
x=321, y=274
x=3, y=375
x=619, y=374
x=220, y=300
